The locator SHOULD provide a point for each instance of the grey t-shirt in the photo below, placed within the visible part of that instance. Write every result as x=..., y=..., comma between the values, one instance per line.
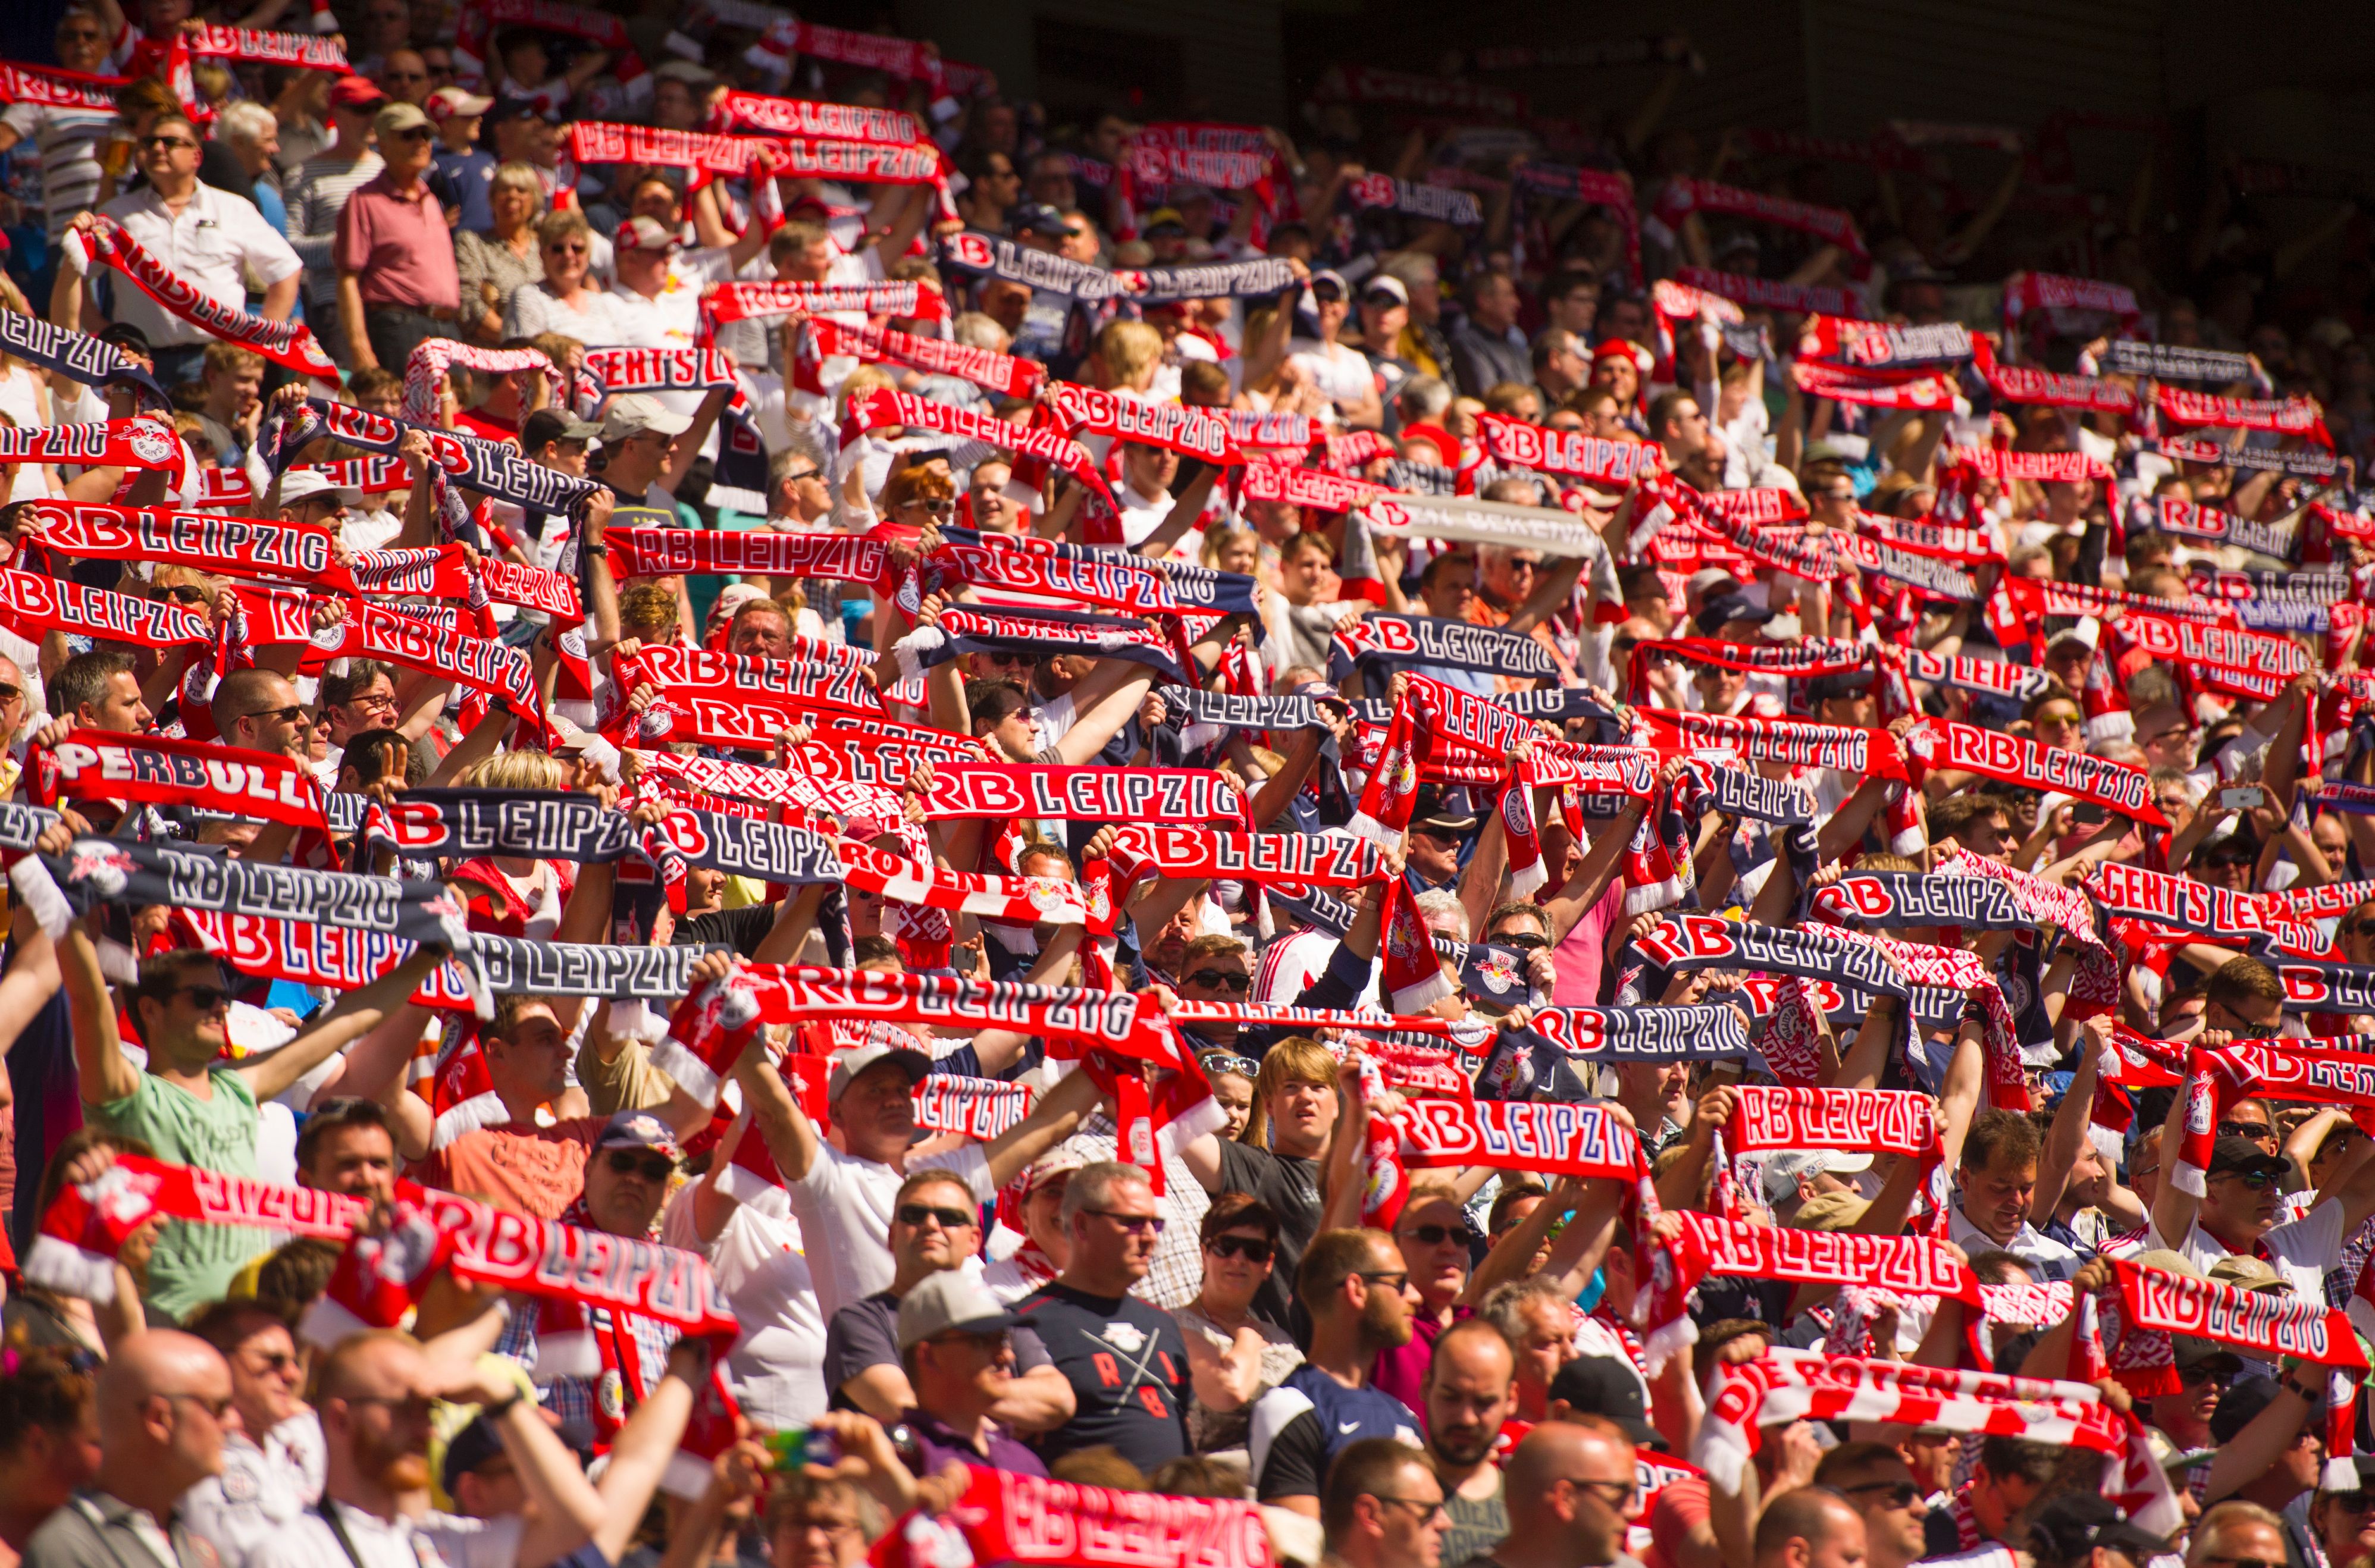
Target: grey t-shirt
x=1476, y=1526
x=1290, y=1187
x=866, y=1334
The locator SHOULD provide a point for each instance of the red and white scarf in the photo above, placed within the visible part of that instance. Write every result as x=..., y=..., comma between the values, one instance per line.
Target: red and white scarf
x=821, y=338
x=287, y=344
x=143, y=441
x=1176, y=427
x=424, y=373
x=739, y=301
x=1774, y=294
x=1004, y=1516
x=1785, y=1386
x=212, y=41
x=58, y=88
x=86, y=1224
x=737, y=110
x=883, y=408
x=2290, y=416
x=1681, y=197
x=1941, y=743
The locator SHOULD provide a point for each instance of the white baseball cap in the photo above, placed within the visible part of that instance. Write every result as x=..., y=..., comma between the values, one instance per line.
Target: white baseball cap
x=639, y=413
x=304, y=484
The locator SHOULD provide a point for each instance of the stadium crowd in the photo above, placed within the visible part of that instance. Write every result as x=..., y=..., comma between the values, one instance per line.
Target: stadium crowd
x=755, y=812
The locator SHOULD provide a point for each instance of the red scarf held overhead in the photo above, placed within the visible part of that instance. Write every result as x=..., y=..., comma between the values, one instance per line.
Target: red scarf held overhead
x=1773, y=294
x=823, y=338
x=805, y=117
x=1003, y=791
x=58, y=88
x=1189, y=432
x=425, y=372
x=739, y=301
x=139, y=443
x=884, y=408
x=81, y=1232
x=210, y=41
x=1941, y=743
x=244, y=547
x=658, y=552
x=2291, y=416
x=2215, y=1080
x=286, y=344
x=1571, y=453
x=100, y=765
x=1680, y=197
x=32, y=604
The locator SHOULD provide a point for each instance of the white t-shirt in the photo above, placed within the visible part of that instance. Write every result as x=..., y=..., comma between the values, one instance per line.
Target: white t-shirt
x=778, y=1367
x=2044, y=1257
x=2301, y=1251
x=434, y=1539
x=592, y=317
x=261, y=1491
x=216, y=243
x=1342, y=374
x=843, y=1206
x=1140, y=514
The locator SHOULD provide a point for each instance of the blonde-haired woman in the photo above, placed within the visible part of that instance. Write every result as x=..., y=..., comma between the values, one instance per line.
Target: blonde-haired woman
x=564, y=299
x=504, y=260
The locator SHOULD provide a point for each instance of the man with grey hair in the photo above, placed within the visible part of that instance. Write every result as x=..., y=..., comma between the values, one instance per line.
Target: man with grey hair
x=1561, y=366
x=2234, y=1531
x=1126, y=1359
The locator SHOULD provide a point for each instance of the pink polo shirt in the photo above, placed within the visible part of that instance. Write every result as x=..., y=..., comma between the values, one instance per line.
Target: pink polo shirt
x=400, y=246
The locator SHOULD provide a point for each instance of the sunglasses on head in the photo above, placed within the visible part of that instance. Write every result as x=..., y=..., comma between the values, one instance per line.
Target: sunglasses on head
x=913, y=1214
x=1253, y=1249
x=651, y=1167
x=1220, y=979
x=1245, y=1066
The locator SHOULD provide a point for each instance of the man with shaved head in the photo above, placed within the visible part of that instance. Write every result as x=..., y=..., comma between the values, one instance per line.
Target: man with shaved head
x=1471, y=1388
x=164, y=1402
x=1570, y=1488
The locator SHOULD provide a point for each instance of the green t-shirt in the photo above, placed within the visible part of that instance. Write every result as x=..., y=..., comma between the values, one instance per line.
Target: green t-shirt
x=193, y=1263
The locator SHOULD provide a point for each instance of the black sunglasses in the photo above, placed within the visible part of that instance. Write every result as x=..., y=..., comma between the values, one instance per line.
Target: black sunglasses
x=651, y=1167
x=1326, y=293
x=1253, y=1249
x=913, y=1214
x=1901, y=1495
x=1524, y=941
x=1435, y=1235
x=1221, y=979
x=2244, y=1129
x=205, y=998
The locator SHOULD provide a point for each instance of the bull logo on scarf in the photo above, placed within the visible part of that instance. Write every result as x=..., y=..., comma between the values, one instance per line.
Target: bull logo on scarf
x=153, y=444
x=121, y=1196
x=1498, y=970
x=96, y=862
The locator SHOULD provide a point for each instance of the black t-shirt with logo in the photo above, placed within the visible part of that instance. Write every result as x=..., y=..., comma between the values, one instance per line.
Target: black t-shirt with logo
x=1128, y=1369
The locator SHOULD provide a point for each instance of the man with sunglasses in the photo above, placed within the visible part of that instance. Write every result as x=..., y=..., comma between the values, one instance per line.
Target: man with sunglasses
x=1879, y=1485
x=1125, y=1359
x=957, y=1347
x=209, y=237
x=1571, y=1488
x=192, y=1108
x=1358, y=1291
x=164, y=1404
x=935, y=1231
x=647, y=449
x=272, y=1460
x=1381, y=1508
x=397, y=281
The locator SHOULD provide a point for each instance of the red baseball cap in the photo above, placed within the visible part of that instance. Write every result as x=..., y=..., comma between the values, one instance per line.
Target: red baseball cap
x=356, y=92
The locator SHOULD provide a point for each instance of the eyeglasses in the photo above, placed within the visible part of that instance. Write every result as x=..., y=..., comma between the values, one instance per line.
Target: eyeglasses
x=381, y=701
x=1133, y=1223
x=205, y=999
x=2243, y=1561
x=1399, y=1278
x=2256, y=1180
x=272, y=1360
x=186, y=594
x=563, y=247
x=167, y=141
x=1222, y=1063
x=1524, y=941
x=2354, y=1501
x=1221, y=979
x=293, y=713
x=913, y=1214
x=1428, y=1513
x=2057, y=717
x=651, y=1167
x=937, y=508
x=11, y=693
x=1253, y=1249
x=803, y=473
x=2227, y=862
x=413, y=1405
x=213, y=1408
x=2194, y=1377
x=1624, y=1492
x=2244, y=1129
x=416, y=133
x=1435, y=1235
x=1326, y=293
x=1901, y=1495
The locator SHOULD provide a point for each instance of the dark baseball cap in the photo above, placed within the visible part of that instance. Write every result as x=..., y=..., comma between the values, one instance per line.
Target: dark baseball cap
x=470, y=1448
x=1034, y=218
x=1729, y=608
x=509, y=109
x=555, y=424
x=1599, y=1385
x=2074, y=1524
x=2234, y=1152
x=2241, y=1404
